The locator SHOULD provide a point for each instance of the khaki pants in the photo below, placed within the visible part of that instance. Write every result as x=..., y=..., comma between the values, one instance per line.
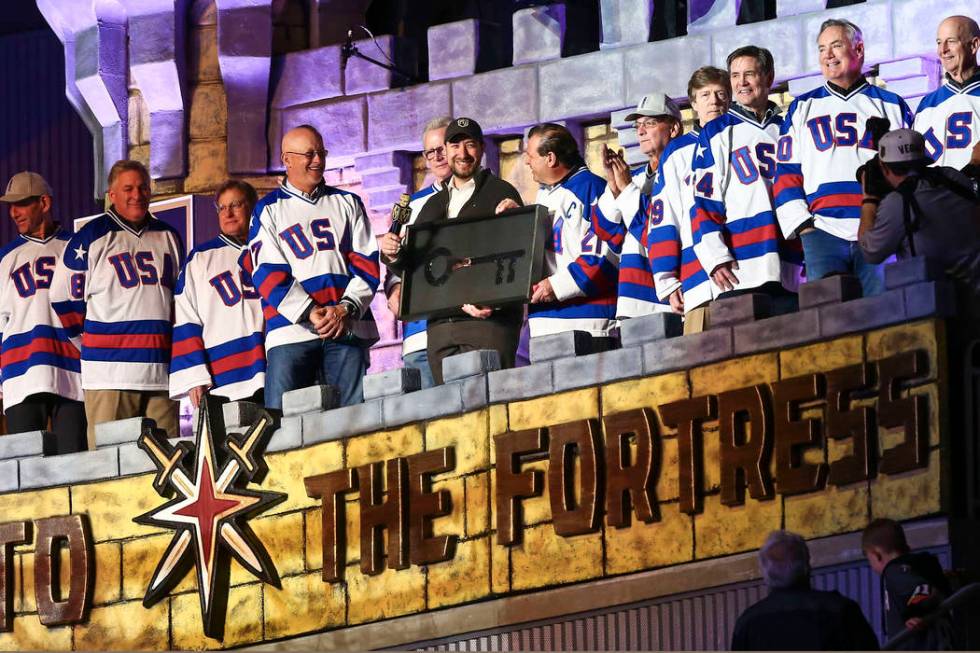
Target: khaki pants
x=108, y=405
x=696, y=320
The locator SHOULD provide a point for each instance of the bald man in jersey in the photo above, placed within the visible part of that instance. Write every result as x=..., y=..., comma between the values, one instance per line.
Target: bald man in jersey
x=314, y=261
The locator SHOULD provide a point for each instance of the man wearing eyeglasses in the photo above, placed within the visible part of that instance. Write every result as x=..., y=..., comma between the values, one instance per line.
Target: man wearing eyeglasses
x=39, y=365
x=414, y=337
x=658, y=121
x=218, y=339
x=313, y=259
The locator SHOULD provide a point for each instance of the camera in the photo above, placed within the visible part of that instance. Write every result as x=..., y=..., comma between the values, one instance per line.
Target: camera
x=874, y=180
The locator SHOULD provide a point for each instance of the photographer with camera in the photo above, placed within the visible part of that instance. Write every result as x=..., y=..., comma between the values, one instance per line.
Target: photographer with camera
x=911, y=209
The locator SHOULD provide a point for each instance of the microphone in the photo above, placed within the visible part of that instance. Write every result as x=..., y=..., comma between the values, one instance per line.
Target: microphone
x=347, y=49
x=401, y=213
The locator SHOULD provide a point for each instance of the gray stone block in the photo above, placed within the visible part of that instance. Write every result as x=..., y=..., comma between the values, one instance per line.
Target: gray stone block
x=583, y=371
x=297, y=85
x=9, y=479
x=499, y=100
x=930, y=298
x=687, y=53
x=915, y=23
x=363, y=76
x=521, y=382
x=133, y=460
x=912, y=270
x=711, y=16
x=776, y=332
x=740, y=309
x=801, y=85
x=453, y=48
x=440, y=401
x=310, y=399
x=911, y=67
x=538, y=33
x=119, y=431
x=687, y=351
x=624, y=22
x=69, y=468
x=21, y=445
x=343, y=422
x=649, y=328
x=563, y=91
x=240, y=414
x=911, y=86
x=289, y=435
x=470, y=363
x=794, y=7
x=783, y=37
x=415, y=106
x=393, y=382
x=559, y=345
x=861, y=314
x=474, y=392
x=832, y=290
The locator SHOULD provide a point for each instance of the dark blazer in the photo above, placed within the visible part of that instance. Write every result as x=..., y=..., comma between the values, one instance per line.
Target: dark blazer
x=490, y=190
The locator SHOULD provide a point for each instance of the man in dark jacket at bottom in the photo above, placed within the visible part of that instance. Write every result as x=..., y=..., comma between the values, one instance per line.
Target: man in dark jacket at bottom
x=472, y=191
x=795, y=617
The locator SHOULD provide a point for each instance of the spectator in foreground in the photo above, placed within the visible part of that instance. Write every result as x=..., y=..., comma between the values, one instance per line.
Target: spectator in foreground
x=794, y=616
x=915, y=585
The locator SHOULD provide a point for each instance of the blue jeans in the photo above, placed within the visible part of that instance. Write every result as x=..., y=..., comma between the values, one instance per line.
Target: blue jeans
x=419, y=360
x=302, y=364
x=825, y=254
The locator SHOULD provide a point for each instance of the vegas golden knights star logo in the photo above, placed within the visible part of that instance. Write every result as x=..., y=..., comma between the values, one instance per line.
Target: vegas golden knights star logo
x=209, y=508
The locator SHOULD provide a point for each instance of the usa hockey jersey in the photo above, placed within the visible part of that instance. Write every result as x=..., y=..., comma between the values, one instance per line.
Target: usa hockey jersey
x=627, y=211
x=670, y=240
x=734, y=219
x=218, y=339
x=36, y=354
x=414, y=337
x=581, y=267
x=113, y=291
x=949, y=119
x=311, y=249
x=822, y=143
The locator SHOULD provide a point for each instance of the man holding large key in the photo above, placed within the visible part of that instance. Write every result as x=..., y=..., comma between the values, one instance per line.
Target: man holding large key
x=472, y=191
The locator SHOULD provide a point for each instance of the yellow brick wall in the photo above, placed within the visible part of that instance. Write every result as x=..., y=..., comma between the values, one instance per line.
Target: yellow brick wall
x=126, y=554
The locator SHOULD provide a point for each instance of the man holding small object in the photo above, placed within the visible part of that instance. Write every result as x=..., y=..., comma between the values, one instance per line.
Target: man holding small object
x=472, y=191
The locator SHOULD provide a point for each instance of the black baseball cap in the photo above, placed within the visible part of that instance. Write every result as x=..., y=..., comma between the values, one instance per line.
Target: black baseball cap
x=463, y=127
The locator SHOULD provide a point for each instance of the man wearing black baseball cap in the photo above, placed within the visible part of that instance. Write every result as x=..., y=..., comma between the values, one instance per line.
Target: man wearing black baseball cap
x=471, y=191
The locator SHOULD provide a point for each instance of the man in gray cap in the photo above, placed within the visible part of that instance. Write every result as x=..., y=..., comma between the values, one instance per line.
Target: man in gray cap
x=39, y=366
x=658, y=121
x=931, y=212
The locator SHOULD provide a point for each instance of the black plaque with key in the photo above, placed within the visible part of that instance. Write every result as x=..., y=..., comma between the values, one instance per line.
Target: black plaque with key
x=490, y=261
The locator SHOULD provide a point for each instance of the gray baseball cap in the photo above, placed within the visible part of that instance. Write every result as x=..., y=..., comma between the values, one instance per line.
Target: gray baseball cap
x=655, y=104
x=902, y=146
x=24, y=185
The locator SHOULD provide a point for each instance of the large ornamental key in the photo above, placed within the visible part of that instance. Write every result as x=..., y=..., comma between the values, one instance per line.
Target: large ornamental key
x=440, y=265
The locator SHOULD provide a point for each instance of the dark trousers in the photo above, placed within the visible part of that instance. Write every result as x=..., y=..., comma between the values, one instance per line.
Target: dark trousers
x=448, y=338
x=67, y=419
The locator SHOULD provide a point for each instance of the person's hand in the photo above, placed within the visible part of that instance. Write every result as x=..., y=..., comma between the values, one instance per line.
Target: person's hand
x=395, y=298
x=543, y=292
x=676, y=300
x=330, y=321
x=621, y=170
x=915, y=623
x=723, y=276
x=608, y=156
x=196, y=394
x=506, y=204
x=479, y=312
x=390, y=244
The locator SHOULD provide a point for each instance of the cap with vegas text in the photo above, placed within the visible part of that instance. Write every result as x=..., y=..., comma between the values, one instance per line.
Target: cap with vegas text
x=24, y=185
x=902, y=146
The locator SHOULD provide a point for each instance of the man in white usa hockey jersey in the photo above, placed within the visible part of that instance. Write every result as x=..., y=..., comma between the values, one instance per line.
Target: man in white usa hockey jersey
x=414, y=337
x=823, y=142
x=658, y=121
x=677, y=272
x=39, y=365
x=113, y=290
x=578, y=292
x=949, y=117
x=736, y=236
x=218, y=339
x=314, y=261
